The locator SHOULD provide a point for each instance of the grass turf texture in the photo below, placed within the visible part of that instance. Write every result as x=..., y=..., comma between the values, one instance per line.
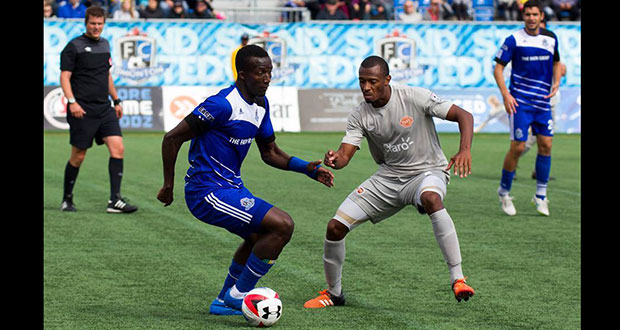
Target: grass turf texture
x=159, y=268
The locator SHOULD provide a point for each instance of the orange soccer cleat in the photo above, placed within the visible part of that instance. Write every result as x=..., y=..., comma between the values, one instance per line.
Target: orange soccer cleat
x=462, y=290
x=325, y=299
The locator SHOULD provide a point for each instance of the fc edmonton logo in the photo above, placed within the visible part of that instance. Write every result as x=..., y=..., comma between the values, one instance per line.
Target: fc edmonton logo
x=136, y=55
x=276, y=48
x=399, y=51
x=247, y=203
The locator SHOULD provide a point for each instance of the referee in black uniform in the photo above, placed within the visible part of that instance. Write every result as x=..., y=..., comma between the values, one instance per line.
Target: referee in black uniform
x=86, y=81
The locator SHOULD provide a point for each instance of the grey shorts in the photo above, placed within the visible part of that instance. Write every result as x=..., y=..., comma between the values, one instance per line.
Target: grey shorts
x=380, y=197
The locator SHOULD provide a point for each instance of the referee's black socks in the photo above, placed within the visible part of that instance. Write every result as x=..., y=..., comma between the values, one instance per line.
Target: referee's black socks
x=71, y=174
x=115, y=168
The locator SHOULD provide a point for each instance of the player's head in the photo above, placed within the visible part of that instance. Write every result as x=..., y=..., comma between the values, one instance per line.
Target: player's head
x=94, y=20
x=532, y=15
x=244, y=39
x=374, y=78
x=253, y=70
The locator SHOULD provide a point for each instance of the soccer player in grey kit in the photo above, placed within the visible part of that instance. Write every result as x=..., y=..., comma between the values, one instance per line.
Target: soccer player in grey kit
x=397, y=120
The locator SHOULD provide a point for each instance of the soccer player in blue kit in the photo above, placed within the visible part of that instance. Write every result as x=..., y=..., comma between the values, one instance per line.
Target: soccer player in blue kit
x=535, y=78
x=221, y=130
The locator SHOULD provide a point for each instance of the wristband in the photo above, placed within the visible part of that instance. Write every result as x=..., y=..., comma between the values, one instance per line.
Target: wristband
x=301, y=166
x=117, y=102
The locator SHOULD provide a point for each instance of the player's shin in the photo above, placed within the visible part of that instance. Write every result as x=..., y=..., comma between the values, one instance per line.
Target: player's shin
x=333, y=259
x=446, y=237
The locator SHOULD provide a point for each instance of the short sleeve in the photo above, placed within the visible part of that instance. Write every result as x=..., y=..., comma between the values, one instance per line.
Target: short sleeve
x=67, y=58
x=504, y=54
x=213, y=112
x=355, y=131
x=432, y=104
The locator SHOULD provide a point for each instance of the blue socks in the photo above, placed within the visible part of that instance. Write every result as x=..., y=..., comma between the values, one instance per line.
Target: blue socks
x=506, y=182
x=234, y=271
x=543, y=167
x=254, y=270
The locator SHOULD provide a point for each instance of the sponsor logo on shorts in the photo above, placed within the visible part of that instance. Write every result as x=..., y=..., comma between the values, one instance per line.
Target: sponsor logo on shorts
x=406, y=121
x=247, y=203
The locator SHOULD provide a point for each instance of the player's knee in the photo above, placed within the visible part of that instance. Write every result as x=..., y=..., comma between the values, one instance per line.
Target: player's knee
x=77, y=158
x=517, y=148
x=284, y=226
x=544, y=148
x=431, y=201
x=336, y=230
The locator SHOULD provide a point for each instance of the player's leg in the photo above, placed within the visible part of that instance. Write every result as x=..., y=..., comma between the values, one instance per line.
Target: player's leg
x=218, y=307
x=276, y=230
x=81, y=133
x=72, y=170
x=429, y=194
x=110, y=134
x=348, y=216
x=519, y=125
x=543, y=128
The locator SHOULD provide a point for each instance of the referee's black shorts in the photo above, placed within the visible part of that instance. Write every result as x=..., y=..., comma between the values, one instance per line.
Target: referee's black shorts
x=83, y=130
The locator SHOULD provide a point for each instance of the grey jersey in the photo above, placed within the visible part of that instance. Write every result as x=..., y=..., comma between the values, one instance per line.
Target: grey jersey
x=401, y=135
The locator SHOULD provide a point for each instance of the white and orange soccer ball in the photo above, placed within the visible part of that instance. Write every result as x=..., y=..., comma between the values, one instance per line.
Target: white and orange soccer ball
x=262, y=307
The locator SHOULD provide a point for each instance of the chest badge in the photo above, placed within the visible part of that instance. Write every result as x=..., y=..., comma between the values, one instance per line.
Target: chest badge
x=406, y=121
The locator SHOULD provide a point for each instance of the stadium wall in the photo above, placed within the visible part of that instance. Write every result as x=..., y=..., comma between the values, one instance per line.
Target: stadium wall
x=164, y=68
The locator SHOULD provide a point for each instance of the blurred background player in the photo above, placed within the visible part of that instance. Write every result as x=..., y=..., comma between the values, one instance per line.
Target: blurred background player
x=221, y=130
x=535, y=78
x=86, y=81
x=398, y=122
x=244, y=42
x=553, y=101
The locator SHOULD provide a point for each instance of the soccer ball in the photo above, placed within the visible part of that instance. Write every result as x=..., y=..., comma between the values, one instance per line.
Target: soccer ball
x=262, y=307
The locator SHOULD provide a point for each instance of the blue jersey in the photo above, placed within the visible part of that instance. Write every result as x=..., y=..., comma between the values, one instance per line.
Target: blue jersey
x=532, y=60
x=229, y=123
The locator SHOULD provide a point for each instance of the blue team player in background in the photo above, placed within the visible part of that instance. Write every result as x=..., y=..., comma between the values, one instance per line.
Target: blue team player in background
x=221, y=130
x=535, y=78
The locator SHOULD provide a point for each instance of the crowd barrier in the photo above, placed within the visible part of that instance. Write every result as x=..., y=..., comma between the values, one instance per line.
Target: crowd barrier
x=163, y=68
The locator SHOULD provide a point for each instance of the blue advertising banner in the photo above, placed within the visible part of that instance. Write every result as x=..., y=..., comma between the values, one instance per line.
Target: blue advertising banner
x=306, y=55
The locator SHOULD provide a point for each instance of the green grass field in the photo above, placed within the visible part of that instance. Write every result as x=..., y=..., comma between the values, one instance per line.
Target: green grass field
x=159, y=268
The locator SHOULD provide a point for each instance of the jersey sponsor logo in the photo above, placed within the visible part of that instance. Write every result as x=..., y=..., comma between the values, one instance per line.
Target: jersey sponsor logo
x=247, y=203
x=208, y=116
x=240, y=142
x=406, y=121
x=398, y=146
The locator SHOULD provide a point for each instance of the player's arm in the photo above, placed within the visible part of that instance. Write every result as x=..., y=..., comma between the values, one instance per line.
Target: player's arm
x=340, y=158
x=112, y=90
x=559, y=70
x=65, y=84
x=462, y=159
x=272, y=155
x=172, y=142
x=510, y=103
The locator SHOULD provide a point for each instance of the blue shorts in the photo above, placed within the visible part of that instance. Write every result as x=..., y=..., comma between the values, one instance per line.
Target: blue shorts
x=234, y=209
x=541, y=122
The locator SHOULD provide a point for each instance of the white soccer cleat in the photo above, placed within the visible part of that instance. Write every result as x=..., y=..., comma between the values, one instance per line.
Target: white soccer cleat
x=542, y=205
x=508, y=207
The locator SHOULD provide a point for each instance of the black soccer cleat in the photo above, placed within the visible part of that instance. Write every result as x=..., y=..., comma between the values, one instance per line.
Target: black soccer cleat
x=67, y=204
x=120, y=205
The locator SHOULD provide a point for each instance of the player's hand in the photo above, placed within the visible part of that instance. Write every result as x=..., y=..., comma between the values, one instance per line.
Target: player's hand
x=119, y=111
x=331, y=158
x=554, y=90
x=165, y=195
x=323, y=175
x=510, y=104
x=76, y=110
x=461, y=162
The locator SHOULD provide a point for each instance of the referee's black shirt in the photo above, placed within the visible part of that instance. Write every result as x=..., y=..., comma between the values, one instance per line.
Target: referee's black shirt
x=89, y=61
